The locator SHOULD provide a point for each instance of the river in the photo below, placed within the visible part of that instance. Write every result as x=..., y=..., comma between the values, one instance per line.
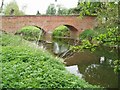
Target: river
x=95, y=67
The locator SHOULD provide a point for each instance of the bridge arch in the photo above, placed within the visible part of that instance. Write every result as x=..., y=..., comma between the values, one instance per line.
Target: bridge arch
x=13, y=23
x=74, y=32
x=43, y=30
x=32, y=31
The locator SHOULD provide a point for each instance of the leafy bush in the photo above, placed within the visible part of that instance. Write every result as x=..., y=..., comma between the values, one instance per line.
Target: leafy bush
x=30, y=33
x=61, y=31
x=117, y=66
x=110, y=38
x=8, y=39
x=87, y=34
x=12, y=40
x=24, y=66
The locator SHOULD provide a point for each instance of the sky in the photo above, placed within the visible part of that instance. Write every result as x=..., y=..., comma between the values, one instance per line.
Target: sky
x=31, y=7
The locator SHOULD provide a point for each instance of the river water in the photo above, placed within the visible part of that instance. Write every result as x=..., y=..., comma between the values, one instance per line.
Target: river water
x=95, y=67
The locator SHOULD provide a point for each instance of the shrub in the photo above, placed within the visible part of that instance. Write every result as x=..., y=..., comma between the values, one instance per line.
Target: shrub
x=12, y=40
x=117, y=66
x=87, y=34
x=24, y=66
x=61, y=31
x=7, y=39
x=30, y=33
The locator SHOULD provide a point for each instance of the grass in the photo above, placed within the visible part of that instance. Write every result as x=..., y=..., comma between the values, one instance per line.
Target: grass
x=25, y=66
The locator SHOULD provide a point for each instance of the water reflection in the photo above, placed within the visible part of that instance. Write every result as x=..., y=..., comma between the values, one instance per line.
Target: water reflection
x=100, y=75
x=95, y=67
x=56, y=48
x=59, y=48
x=74, y=70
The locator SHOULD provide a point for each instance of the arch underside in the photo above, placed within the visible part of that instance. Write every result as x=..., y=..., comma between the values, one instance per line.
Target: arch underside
x=74, y=33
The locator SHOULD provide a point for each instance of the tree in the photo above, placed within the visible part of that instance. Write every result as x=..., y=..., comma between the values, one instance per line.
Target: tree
x=86, y=8
x=12, y=9
x=38, y=13
x=107, y=29
x=51, y=10
x=1, y=6
x=62, y=11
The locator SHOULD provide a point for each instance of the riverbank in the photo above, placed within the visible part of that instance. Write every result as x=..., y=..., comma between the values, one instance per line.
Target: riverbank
x=24, y=65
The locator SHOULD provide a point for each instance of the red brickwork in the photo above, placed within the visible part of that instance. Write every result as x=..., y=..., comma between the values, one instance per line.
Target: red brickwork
x=48, y=23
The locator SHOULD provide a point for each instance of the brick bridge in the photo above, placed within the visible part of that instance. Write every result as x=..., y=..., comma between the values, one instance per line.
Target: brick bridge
x=48, y=23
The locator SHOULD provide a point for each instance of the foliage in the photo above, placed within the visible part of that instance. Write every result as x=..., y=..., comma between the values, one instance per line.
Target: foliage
x=61, y=31
x=89, y=8
x=86, y=8
x=25, y=68
x=2, y=4
x=87, y=38
x=9, y=39
x=107, y=29
x=117, y=65
x=110, y=38
x=30, y=33
x=62, y=11
x=85, y=44
x=12, y=6
x=87, y=34
x=30, y=67
x=51, y=10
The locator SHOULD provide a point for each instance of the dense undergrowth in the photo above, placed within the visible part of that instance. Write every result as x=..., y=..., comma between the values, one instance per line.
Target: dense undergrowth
x=30, y=33
x=87, y=34
x=61, y=31
x=25, y=66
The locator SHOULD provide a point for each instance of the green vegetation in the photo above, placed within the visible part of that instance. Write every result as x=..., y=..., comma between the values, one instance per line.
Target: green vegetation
x=117, y=65
x=87, y=34
x=10, y=40
x=12, y=9
x=25, y=66
x=61, y=31
x=62, y=10
x=51, y=10
x=87, y=39
x=1, y=7
x=30, y=33
x=107, y=30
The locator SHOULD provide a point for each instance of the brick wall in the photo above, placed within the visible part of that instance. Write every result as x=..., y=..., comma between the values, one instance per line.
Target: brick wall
x=48, y=23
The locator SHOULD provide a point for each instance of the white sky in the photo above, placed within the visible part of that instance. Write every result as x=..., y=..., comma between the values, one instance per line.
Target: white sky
x=32, y=6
